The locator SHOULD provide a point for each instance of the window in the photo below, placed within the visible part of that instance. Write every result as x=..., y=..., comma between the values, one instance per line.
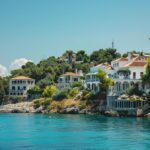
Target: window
x=13, y=87
x=24, y=87
x=18, y=87
x=141, y=74
x=75, y=79
x=134, y=75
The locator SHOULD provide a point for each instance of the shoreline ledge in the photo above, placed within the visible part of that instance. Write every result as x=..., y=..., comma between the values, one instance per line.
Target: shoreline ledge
x=23, y=107
x=28, y=107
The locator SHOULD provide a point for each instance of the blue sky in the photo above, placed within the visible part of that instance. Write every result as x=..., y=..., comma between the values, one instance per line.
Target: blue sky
x=36, y=29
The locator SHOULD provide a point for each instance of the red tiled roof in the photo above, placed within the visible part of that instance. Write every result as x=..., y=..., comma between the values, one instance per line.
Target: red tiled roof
x=121, y=59
x=136, y=64
x=71, y=74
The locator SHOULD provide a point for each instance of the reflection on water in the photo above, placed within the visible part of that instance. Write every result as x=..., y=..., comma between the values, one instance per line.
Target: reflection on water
x=29, y=131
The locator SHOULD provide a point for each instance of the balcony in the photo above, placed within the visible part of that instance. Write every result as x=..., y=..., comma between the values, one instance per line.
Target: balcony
x=92, y=80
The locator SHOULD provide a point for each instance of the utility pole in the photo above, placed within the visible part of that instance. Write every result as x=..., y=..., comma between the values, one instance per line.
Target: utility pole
x=112, y=44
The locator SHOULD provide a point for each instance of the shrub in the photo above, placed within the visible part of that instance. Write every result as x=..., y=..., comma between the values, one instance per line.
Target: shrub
x=35, y=90
x=86, y=95
x=82, y=104
x=134, y=91
x=61, y=95
x=55, y=106
x=42, y=102
x=69, y=103
x=76, y=84
x=73, y=92
x=16, y=99
x=46, y=102
x=49, y=91
x=36, y=103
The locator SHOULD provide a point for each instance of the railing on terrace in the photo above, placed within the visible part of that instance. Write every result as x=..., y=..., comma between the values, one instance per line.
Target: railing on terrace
x=92, y=80
x=129, y=105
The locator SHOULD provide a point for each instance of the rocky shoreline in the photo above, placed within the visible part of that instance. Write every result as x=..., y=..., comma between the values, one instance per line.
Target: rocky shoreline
x=27, y=107
x=23, y=107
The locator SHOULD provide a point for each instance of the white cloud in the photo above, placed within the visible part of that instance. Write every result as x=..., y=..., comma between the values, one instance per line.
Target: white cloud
x=18, y=63
x=3, y=71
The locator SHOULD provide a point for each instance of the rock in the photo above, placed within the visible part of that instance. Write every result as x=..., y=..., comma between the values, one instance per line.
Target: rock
x=39, y=110
x=111, y=113
x=83, y=111
x=147, y=115
x=23, y=107
x=16, y=111
x=139, y=112
x=70, y=110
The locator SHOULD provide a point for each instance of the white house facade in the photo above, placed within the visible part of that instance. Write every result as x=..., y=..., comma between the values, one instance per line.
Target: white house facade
x=66, y=80
x=92, y=81
x=128, y=73
x=18, y=86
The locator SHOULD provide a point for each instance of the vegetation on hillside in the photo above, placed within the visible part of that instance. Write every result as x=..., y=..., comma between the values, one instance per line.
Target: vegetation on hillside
x=105, y=83
x=47, y=71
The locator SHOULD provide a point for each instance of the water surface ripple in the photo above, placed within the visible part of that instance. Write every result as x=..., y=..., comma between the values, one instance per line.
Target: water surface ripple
x=73, y=132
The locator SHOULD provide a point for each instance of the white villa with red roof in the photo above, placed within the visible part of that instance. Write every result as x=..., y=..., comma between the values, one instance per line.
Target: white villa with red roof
x=66, y=80
x=128, y=73
x=92, y=82
x=18, y=86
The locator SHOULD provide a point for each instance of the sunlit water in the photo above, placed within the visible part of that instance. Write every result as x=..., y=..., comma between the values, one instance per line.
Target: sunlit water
x=73, y=132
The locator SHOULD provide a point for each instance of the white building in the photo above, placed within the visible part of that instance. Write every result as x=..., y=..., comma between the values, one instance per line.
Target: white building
x=128, y=73
x=66, y=80
x=92, y=82
x=18, y=86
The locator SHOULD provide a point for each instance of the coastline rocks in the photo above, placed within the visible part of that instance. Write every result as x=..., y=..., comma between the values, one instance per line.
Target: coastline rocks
x=147, y=115
x=83, y=111
x=139, y=113
x=70, y=110
x=111, y=113
x=23, y=107
x=39, y=110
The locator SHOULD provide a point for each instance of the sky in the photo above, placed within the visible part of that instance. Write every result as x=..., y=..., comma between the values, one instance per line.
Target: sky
x=36, y=29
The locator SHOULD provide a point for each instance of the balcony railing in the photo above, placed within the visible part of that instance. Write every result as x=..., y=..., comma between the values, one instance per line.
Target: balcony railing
x=92, y=80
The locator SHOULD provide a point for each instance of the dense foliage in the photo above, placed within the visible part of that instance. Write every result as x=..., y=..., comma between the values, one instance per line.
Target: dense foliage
x=105, y=83
x=146, y=76
x=47, y=71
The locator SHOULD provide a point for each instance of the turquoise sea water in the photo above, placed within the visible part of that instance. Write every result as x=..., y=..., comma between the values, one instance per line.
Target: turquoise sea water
x=73, y=132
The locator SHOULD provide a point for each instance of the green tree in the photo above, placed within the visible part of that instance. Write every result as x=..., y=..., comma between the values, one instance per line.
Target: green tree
x=105, y=83
x=146, y=76
x=69, y=54
x=2, y=91
x=82, y=56
x=104, y=55
x=35, y=90
x=50, y=91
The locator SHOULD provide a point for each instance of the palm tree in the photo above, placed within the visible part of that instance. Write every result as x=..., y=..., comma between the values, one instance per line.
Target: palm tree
x=146, y=76
x=105, y=83
x=69, y=54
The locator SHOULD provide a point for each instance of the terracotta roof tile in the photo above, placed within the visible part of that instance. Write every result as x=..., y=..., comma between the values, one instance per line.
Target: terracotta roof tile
x=71, y=74
x=21, y=78
x=136, y=64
